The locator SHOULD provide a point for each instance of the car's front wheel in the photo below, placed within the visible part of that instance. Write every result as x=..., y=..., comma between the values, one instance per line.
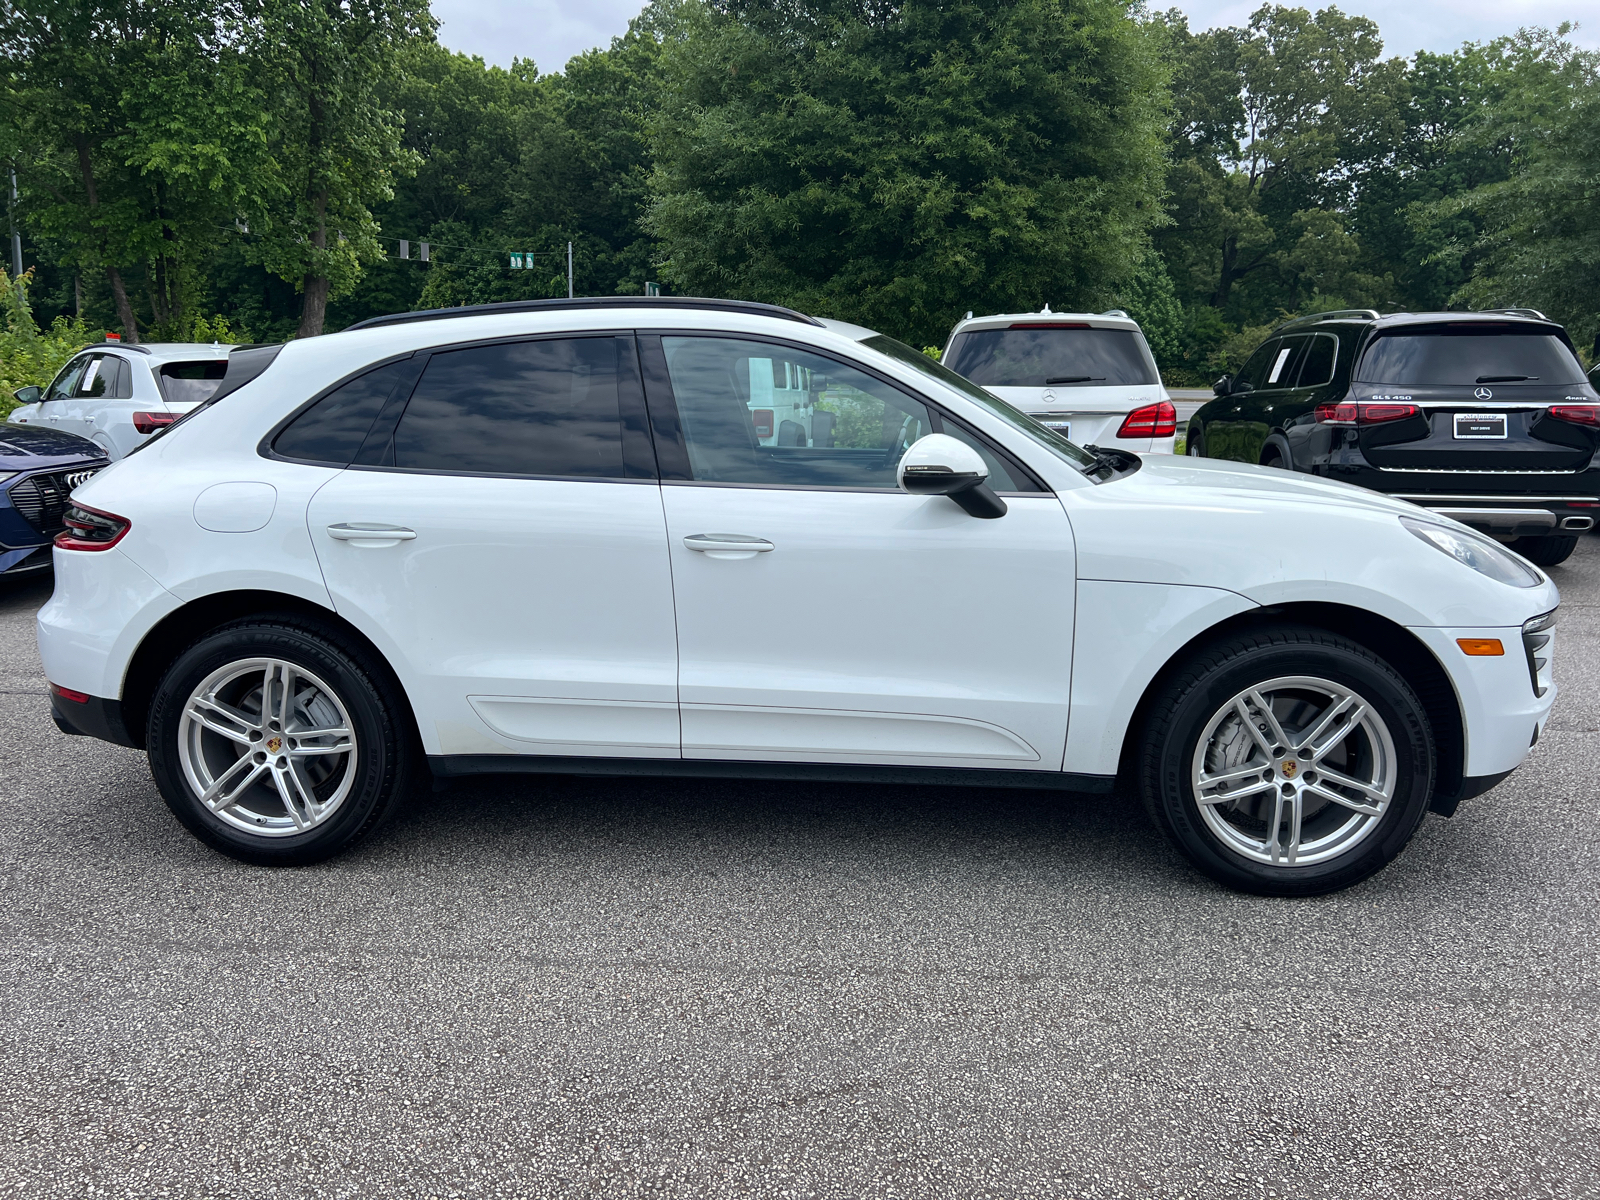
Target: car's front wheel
x=277, y=744
x=1287, y=761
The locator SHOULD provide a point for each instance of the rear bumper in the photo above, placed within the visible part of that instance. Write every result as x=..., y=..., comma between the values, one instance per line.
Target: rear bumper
x=94, y=717
x=1504, y=504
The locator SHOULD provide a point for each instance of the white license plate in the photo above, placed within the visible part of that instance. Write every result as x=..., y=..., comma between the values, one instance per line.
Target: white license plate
x=1058, y=425
x=1480, y=425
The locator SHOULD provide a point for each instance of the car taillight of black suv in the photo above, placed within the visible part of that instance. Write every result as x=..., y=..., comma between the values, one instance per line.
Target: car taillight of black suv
x=1485, y=417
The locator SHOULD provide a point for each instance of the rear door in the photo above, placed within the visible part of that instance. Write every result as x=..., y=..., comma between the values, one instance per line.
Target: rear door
x=504, y=546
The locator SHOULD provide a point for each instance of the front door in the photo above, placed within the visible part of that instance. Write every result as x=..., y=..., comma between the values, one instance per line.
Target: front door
x=507, y=552
x=825, y=616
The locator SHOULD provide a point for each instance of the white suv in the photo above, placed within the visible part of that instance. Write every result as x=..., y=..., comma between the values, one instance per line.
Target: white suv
x=548, y=536
x=1088, y=376
x=117, y=395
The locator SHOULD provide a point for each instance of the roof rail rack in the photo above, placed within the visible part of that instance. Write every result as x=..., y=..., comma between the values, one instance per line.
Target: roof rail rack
x=529, y=306
x=134, y=346
x=1337, y=314
x=1519, y=312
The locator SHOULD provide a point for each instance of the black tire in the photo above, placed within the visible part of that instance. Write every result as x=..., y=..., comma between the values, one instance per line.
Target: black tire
x=1194, y=445
x=1547, y=551
x=1272, y=458
x=1198, y=692
x=384, y=738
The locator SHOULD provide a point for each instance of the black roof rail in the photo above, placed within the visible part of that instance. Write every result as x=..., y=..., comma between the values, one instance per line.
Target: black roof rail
x=519, y=306
x=1337, y=314
x=134, y=346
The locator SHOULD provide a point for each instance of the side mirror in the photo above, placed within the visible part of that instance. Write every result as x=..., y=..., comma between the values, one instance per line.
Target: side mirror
x=939, y=465
x=1223, y=386
x=28, y=395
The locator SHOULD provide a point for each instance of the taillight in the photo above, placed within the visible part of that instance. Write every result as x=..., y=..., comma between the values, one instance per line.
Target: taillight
x=1349, y=413
x=1577, y=414
x=150, y=422
x=1153, y=420
x=69, y=694
x=763, y=418
x=90, y=529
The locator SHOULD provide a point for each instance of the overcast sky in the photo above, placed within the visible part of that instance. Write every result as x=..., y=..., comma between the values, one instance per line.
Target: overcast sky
x=552, y=31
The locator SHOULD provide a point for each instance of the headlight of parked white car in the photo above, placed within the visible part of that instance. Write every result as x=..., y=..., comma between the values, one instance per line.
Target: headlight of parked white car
x=1482, y=555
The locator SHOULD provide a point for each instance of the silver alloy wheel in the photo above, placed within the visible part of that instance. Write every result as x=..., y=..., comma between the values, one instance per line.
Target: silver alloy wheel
x=1294, y=771
x=267, y=747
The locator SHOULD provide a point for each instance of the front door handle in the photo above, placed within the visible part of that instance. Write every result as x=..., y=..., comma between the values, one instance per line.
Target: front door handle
x=728, y=545
x=370, y=535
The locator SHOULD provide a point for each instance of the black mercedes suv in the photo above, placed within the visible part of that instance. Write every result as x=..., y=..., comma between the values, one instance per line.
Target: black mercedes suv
x=1484, y=416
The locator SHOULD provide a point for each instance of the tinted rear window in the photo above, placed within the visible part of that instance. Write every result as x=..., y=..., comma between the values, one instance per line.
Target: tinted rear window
x=1468, y=354
x=332, y=429
x=525, y=408
x=1059, y=357
x=192, y=382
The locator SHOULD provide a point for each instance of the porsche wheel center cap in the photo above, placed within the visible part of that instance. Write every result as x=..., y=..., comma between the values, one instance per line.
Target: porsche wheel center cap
x=274, y=745
x=1290, y=768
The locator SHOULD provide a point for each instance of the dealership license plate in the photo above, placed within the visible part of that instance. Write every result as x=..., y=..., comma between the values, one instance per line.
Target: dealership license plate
x=1059, y=424
x=1480, y=425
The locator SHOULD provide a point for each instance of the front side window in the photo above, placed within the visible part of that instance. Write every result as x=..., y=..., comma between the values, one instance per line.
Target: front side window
x=1259, y=365
x=547, y=407
x=754, y=412
x=1068, y=452
x=1054, y=355
x=65, y=382
x=1467, y=353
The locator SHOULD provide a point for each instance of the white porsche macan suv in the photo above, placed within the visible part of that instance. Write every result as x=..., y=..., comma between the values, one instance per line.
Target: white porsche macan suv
x=552, y=537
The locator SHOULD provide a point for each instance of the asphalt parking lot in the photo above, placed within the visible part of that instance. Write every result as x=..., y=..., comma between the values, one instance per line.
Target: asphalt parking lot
x=581, y=987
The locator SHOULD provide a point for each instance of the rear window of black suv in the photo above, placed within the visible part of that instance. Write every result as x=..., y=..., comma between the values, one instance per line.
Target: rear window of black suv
x=1467, y=353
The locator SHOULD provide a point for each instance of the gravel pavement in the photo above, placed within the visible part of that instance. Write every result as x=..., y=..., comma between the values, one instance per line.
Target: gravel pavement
x=573, y=987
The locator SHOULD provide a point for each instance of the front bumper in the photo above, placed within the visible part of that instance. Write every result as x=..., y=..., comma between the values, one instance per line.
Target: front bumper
x=1501, y=715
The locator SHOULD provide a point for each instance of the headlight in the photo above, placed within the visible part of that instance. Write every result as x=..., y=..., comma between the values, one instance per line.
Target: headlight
x=1482, y=555
x=5, y=475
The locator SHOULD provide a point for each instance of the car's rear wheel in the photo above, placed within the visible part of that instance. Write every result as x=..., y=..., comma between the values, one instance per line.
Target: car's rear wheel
x=276, y=744
x=1288, y=761
x=1546, y=551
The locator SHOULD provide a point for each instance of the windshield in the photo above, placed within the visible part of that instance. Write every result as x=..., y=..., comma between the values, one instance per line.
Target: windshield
x=1468, y=354
x=1016, y=418
x=1053, y=356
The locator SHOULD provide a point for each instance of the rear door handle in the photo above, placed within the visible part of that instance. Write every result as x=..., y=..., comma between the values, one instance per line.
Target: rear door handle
x=367, y=533
x=728, y=545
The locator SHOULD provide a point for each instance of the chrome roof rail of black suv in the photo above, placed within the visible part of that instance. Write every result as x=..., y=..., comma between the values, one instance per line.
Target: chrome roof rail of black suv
x=1338, y=314
x=1518, y=312
x=580, y=302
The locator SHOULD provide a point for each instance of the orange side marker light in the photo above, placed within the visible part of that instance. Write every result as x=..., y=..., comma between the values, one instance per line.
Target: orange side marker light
x=1481, y=647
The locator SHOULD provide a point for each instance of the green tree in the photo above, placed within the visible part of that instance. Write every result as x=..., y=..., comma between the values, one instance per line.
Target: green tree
x=1540, y=240
x=324, y=66
x=897, y=164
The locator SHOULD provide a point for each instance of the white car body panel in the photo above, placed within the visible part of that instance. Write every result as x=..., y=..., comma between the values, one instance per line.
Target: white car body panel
x=527, y=616
x=1126, y=633
x=872, y=633
x=1160, y=555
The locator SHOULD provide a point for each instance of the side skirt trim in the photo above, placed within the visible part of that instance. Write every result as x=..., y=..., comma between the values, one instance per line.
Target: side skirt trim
x=453, y=766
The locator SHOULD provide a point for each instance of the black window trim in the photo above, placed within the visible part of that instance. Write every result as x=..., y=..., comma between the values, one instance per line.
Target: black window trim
x=673, y=456
x=1333, y=367
x=638, y=453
